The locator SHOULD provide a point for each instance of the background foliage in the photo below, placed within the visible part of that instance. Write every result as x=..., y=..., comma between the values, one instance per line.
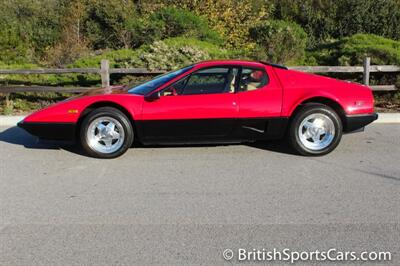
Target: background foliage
x=279, y=41
x=60, y=32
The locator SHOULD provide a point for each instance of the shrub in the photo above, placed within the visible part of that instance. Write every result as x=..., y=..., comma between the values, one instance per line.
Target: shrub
x=115, y=24
x=368, y=16
x=179, y=22
x=230, y=18
x=381, y=50
x=215, y=51
x=123, y=58
x=164, y=55
x=13, y=49
x=316, y=17
x=352, y=50
x=27, y=28
x=326, y=19
x=279, y=41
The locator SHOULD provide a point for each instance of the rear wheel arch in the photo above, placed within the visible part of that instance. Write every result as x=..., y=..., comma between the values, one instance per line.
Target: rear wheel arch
x=325, y=101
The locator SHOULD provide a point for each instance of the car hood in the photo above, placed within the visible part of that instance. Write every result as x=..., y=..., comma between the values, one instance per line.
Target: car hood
x=117, y=89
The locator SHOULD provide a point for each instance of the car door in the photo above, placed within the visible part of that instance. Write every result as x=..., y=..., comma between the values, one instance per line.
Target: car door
x=199, y=107
x=260, y=103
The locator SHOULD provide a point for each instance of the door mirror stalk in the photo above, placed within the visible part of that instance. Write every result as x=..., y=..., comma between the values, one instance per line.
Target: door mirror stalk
x=153, y=96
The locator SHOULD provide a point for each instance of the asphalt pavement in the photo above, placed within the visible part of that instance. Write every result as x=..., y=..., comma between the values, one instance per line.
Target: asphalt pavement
x=186, y=205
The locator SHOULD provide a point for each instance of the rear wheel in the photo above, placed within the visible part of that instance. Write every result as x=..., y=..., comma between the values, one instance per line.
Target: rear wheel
x=106, y=133
x=315, y=130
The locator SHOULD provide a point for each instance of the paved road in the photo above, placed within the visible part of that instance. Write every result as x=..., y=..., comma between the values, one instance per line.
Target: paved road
x=185, y=205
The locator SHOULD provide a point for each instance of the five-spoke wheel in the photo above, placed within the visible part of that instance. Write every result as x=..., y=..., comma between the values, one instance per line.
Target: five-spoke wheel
x=106, y=133
x=315, y=130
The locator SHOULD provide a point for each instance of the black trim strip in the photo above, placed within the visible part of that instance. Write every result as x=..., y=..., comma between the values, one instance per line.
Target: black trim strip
x=273, y=65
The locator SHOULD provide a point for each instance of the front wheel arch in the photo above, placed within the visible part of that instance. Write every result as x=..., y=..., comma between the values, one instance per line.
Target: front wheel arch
x=97, y=105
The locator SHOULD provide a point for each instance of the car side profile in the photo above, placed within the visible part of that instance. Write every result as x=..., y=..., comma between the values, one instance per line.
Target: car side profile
x=211, y=102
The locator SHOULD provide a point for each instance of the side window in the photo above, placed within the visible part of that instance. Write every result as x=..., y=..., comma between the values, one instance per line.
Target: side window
x=206, y=81
x=252, y=79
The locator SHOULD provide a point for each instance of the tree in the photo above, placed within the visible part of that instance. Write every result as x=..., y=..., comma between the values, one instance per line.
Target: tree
x=230, y=18
x=72, y=43
x=34, y=25
x=326, y=19
x=281, y=41
x=112, y=24
x=174, y=22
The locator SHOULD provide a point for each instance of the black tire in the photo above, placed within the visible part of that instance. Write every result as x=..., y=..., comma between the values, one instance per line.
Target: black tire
x=303, y=113
x=106, y=112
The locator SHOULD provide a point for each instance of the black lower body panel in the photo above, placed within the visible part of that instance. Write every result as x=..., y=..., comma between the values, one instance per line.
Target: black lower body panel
x=219, y=130
x=261, y=128
x=357, y=122
x=50, y=131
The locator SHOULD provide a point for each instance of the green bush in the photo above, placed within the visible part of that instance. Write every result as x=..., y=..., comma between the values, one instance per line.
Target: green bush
x=215, y=51
x=316, y=17
x=116, y=24
x=352, y=50
x=279, y=41
x=325, y=19
x=368, y=16
x=13, y=49
x=163, y=55
x=381, y=50
x=176, y=22
x=27, y=29
x=123, y=58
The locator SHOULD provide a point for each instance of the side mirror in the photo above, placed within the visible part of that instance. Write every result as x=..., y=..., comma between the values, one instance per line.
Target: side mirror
x=153, y=96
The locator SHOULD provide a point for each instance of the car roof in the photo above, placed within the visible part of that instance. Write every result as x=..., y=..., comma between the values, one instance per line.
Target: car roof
x=237, y=62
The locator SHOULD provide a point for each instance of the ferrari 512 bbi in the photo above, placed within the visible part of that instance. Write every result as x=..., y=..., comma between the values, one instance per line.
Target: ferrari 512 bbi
x=211, y=102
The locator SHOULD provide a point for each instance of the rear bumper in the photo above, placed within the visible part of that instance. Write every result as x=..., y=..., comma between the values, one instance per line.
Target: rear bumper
x=356, y=122
x=50, y=131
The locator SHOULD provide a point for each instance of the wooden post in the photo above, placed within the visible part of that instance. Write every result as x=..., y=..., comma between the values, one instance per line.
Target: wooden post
x=367, y=69
x=105, y=73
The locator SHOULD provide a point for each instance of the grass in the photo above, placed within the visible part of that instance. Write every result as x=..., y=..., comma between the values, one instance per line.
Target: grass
x=22, y=103
x=387, y=101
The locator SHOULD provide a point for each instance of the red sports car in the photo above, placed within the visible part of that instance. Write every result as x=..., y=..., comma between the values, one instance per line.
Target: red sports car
x=211, y=102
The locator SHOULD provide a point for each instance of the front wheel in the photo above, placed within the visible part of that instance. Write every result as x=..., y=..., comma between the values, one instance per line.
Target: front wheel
x=315, y=130
x=106, y=133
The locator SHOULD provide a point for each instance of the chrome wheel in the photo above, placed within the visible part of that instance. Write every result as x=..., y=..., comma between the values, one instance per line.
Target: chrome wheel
x=105, y=135
x=316, y=132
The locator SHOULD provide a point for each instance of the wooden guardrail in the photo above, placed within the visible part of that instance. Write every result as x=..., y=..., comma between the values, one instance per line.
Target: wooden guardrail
x=105, y=71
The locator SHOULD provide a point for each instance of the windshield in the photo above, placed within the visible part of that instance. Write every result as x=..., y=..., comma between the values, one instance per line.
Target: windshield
x=153, y=84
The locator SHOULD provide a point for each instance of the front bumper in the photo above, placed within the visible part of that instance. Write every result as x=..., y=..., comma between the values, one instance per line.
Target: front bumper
x=356, y=122
x=50, y=131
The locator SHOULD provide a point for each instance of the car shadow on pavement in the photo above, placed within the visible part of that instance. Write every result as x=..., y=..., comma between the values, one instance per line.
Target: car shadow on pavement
x=278, y=146
x=17, y=136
